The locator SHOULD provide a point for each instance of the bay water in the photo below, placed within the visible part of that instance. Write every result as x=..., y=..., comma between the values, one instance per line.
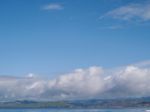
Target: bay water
x=76, y=110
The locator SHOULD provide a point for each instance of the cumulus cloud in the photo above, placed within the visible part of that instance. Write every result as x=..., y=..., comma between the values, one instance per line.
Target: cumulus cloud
x=53, y=6
x=93, y=82
x=131, y=12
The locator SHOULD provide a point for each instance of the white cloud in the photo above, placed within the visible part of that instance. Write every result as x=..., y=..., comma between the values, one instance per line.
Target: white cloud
x=131, y=12
x=53, y=6
x=93, y=82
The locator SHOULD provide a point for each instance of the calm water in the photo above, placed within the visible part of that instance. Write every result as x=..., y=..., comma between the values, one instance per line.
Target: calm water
x=75, y=110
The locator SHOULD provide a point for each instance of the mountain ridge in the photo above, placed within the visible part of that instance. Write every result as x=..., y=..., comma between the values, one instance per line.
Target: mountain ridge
x=75, y=104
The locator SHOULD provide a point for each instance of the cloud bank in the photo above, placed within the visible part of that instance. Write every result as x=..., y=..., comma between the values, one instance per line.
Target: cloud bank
x=93, y=82
x=131, y=12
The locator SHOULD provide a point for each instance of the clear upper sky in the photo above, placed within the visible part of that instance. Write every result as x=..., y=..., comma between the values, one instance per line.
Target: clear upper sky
x=55, y=36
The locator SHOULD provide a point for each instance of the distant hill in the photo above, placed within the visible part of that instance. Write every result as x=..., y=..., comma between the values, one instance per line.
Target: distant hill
x=93, y=103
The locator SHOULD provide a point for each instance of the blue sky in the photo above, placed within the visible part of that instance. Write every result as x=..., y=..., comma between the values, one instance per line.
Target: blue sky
x=50, y=37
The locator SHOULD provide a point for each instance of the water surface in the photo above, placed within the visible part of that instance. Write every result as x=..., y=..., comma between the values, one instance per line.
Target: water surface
x=74, y=110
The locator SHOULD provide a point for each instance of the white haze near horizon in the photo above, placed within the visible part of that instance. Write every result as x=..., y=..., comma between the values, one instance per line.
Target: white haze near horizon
x=93, y=82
